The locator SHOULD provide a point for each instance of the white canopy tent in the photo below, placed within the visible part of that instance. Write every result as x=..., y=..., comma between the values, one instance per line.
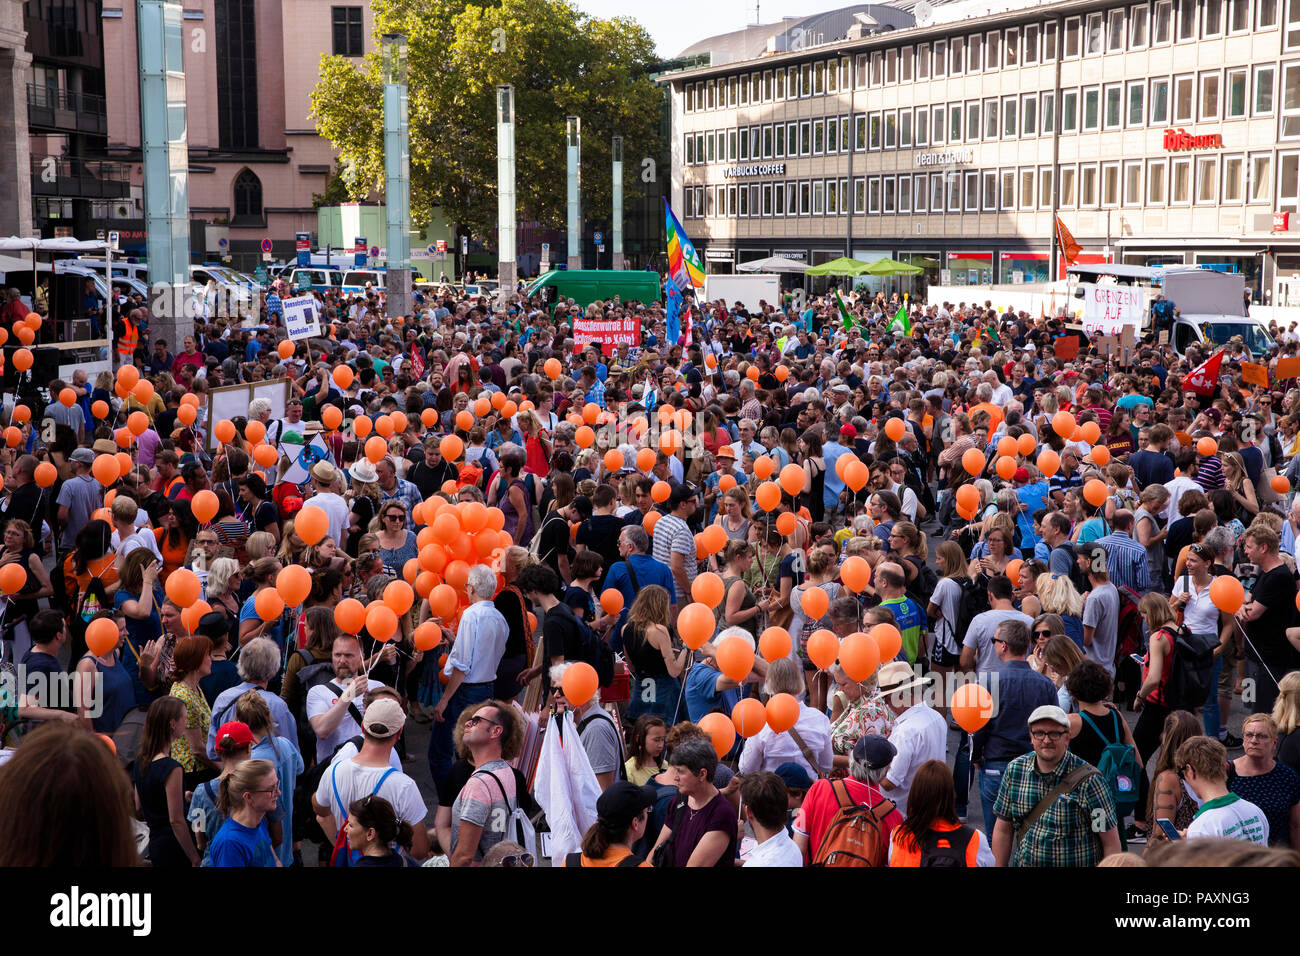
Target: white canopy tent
x=773, y=264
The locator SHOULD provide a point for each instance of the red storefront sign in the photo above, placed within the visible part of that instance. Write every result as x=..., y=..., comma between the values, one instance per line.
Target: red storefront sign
x=1281, y=221
x=1180, y=139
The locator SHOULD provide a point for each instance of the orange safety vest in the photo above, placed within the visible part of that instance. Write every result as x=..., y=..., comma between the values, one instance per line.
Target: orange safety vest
x=130, y=339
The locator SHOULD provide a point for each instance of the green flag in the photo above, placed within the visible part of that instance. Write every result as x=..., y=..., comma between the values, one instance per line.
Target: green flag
x=901, y=319
x=844, y=312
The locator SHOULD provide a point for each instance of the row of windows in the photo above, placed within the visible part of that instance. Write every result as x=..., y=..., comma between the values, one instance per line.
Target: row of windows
x=1181, y=181
x=1213, y=95
x=1126, y=28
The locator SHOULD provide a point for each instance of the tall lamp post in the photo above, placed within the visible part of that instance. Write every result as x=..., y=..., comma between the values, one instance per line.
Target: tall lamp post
x=573, y=141
x=616, y=204
x=397, y=177
x=507, y=266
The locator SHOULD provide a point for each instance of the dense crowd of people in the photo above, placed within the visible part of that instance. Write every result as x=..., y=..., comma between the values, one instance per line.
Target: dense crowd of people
x=802, y=585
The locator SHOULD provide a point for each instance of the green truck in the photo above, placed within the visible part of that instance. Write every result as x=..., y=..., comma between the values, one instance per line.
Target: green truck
x=585, y=286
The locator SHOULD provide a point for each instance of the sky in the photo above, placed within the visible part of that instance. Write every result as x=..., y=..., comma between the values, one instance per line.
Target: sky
x=676, y=24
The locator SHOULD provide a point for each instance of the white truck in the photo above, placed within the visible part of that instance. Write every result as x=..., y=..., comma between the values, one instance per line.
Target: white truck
x=749, y=289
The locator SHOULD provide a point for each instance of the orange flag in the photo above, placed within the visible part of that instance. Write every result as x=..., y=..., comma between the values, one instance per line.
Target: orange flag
x=1069, y=248
x=1254, y=374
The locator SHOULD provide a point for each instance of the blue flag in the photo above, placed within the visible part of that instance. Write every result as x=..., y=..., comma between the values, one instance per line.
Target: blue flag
x=673, y=306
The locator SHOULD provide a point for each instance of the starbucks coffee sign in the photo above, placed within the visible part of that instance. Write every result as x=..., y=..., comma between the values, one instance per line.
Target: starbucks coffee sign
x=754, y=169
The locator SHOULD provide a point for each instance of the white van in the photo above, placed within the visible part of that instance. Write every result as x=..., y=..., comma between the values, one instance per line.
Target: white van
x=354, y=280
x=319, y=277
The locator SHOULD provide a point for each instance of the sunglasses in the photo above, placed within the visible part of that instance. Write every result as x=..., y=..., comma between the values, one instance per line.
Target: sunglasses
x=1042, y=633
x=518, y=859
x=476, y=719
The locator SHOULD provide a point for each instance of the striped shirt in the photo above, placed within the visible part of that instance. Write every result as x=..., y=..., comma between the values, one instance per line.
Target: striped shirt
x=673, y=536
x=1126, y=562
x=1209, y=473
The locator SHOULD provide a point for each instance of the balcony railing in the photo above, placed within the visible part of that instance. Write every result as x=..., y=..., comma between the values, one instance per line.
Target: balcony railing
x=67, y=110
x=73, y=177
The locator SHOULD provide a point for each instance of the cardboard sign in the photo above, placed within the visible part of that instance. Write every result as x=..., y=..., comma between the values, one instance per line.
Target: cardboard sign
x=610, y=333
x=302, y=317
x=1254, y=374
x=1109, y=308
x=1287, y=368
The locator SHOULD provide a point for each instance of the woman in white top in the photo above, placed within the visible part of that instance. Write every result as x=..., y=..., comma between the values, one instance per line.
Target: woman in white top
x=767, y=750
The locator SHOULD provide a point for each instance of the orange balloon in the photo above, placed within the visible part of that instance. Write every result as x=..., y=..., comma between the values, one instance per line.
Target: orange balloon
x=481, y=407
x=33, y=320
x=99, y=409
x=660, y=491
x=646, y=458
x=4, y=335
x=25, y=334
x=552, y=368
x=695, y=624
x=268, y=604
x=782, y=373
x=670, y=442
x=711, y=360
x=1091, y=431
x=786, y=522
x=496, y=519
x=1205, y=447
x=1013, y=570
x=1227, y=594
x=782, y=712
x=124, y=463
x=67, y=398
x=343, y=376
x=427, y=636
x=350, y=616
x=968, y=497
x=399, y=596
x=127, y=376
x=464, y=420
x=430, y=417
x=752, y=373
x=362, y=426
x=1094, y=492
x=266, y=456
x=183, y=587
x=792, y=479
x=101, y=635
x=137, y=423
x=856, y=475
x=971, y=706
x=1006, y=468
x=1025, y=444
x=973, y=461
x=384, y=426
x=376, y=449
x=1049, y=462
x=749, y=715
x=1279, y=484
x=457, y=575
x=584, y=437
x=895, y=429
x=189, y=398
x=715, y=538
x=143, y=391
x=707, y=589
x=224, y=430
x=442, y=601
x=726, y=483
x=21, y=414
x=1007, y=447
x=13, y=578
x=285, y=348
x=106, y=469
x=473, y=516
x=823, y=648
x=331, y=417
x=1063, y=423
x=451, y=447
x=721, y=731
x=1101, y=455
x=613, y=460
x=611, y=600
x=768, y=495
x=294, y=584
x=1077, y=435
x=499, y=401
x=190, y=616
x=579, y=682
x=735, y=658
x=46, y=475
x=381, y=622
x=186, y=414
x=859, y=656
x=311, y=524
x=446, y=526
x=255, y=432
x=650, y=520
x=888, y=640
x=774, y=643
x=855, y=573
x=764, y=466
x=13, y=436
x=814, y=603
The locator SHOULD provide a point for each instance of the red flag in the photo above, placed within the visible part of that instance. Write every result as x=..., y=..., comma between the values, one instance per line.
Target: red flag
x=417, y=362
x=1205, y=378
x=1069, y=248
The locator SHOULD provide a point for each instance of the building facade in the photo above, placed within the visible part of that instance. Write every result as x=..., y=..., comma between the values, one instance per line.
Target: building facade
x=255, y=157
x=1160, y=132
x=15, y=171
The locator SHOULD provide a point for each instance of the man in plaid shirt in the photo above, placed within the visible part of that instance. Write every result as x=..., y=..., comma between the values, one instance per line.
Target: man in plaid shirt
x=594, y=387
x=1079, y=828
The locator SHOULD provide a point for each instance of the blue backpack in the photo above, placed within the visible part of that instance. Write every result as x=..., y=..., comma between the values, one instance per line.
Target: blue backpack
x=343, y=855
x=1119, y=766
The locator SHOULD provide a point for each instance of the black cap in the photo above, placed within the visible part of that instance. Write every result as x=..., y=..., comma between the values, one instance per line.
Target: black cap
x=679, y=494
x=623, y=802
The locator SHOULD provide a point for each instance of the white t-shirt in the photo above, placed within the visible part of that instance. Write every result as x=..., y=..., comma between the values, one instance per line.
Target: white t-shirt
x=1200, y=616
x=1232, y=817
x=779, y=850
x=946, y=597
x=336, y=509
x=141, y=539
x=355, y=782
x=319, y=700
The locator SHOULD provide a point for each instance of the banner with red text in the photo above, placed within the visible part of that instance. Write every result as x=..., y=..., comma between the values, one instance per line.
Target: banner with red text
x=610, y=333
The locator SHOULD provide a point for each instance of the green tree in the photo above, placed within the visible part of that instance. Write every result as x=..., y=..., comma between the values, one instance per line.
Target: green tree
x=560, y=62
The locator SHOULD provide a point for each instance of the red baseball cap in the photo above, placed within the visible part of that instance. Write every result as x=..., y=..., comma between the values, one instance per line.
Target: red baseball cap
x=237, y=733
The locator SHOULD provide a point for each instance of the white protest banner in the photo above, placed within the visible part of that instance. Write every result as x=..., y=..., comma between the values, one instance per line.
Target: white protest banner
x=608, y=332
x=301, y=317
x=1107, y=309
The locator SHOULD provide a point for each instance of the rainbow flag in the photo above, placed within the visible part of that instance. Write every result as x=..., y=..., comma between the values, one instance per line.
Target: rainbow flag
x=684, y=265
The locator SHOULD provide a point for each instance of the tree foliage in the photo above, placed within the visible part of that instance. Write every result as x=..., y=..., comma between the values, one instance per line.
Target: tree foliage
x=560, y=62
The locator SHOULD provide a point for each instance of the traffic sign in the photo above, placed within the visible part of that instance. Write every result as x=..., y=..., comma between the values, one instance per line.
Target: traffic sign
x=440, y=246
x=546, y=247
x=598, y=237
x=223, y=242
x=266, y=245
x=374, y=252
x=112, y=240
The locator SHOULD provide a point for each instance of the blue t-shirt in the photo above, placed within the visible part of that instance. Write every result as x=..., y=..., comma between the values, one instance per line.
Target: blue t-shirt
x=702, y=695
x=648, y=571
x=275, y=631
x=140, y=632
x=288, y=765
x=238, y=845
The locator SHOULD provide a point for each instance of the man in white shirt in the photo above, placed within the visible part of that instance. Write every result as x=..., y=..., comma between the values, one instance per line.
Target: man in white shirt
x=335, y=708
x=1184, y=481
x=126, y=536
x=323, y=477
x=977, y=652
x=919, y=733
x=1203, y=764
x=765, y=801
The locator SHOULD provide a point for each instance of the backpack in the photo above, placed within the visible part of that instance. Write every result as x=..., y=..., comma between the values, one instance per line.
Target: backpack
x=1192, y=669
x=974, y=600
x=595, y=651
x=518, y=827
x=311, y=674
x=1129, y=627
x=304, y=817
x=922, y=588
x=535, y=546
x=575, y=859
x=1119, y=766
x=946, y=849
x=855, y=836
x=343, y=855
